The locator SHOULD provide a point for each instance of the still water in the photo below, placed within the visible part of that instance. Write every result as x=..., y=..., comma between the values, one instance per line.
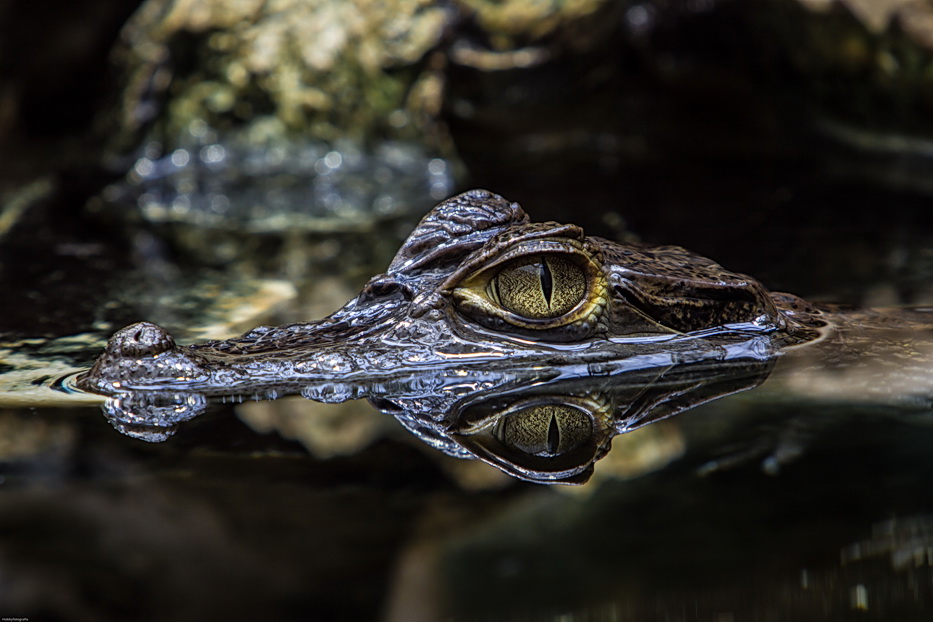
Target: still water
x=746, y=487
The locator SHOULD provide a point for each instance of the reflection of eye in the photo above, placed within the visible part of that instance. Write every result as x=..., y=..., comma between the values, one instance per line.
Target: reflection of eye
x=545, y=430
x=539, y=437
x=542, y=286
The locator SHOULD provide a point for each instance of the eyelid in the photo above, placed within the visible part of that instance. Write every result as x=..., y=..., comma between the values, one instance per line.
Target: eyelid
x=469, y=274
x=479, y=262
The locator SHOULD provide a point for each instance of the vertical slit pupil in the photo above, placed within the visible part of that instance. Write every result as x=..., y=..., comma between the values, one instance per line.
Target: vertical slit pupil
x=547, y=283
x=553, y=435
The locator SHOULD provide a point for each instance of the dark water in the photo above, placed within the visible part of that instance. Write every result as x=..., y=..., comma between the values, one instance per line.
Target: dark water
x=806, y=498
x=797, y=500
x=224, y=521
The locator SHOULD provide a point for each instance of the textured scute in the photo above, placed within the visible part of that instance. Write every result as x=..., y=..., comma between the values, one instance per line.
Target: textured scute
x=407, y=321
x=459, y=224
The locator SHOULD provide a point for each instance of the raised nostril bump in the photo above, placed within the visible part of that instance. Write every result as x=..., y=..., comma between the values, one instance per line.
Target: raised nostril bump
x=140, y=339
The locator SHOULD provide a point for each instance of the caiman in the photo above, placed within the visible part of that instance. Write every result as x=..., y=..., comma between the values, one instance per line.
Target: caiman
x=478, y=285
x=527, y=345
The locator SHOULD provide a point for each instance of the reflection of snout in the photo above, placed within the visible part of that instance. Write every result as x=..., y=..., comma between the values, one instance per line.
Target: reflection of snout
x=152, y=416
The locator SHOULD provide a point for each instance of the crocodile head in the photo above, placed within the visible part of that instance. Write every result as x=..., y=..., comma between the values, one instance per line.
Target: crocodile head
x=475, y=285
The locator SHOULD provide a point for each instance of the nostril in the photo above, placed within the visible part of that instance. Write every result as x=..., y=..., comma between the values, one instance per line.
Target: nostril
x=385, y=287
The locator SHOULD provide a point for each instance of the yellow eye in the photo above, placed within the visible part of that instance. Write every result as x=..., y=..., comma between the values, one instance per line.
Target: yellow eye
x=548, y=289
x=545, y=430
x=545, y=286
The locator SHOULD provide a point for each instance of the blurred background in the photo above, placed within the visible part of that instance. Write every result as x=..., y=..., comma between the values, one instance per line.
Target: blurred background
x=211, y=165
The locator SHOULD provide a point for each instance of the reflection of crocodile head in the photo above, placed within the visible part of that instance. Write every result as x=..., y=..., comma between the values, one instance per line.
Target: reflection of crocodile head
x=478, y=286
x=554, y=432
x=544, y=425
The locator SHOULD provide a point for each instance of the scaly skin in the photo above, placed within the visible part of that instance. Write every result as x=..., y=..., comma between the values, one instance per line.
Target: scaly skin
x=438, y=306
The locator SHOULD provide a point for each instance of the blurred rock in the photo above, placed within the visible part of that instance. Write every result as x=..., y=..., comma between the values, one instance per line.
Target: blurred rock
x=325, y=69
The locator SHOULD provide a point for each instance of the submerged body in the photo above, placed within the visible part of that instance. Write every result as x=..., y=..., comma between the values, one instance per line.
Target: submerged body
x=477, y=284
